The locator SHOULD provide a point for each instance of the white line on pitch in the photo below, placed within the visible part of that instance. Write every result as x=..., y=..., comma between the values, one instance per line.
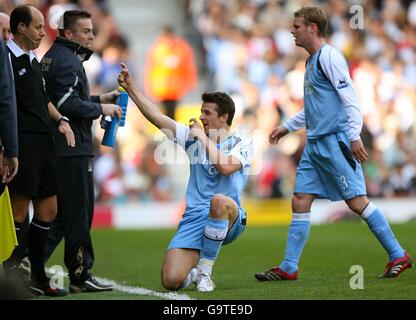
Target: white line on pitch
x=144, y=291
x=139, y=291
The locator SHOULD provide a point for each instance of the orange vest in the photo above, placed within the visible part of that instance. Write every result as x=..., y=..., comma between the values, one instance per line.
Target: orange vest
x=170, y=70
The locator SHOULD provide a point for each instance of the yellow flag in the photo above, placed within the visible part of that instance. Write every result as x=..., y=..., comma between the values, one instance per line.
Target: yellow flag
x=8, y=238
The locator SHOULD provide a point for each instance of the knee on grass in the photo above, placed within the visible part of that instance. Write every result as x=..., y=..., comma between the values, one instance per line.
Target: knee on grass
x=172, y=282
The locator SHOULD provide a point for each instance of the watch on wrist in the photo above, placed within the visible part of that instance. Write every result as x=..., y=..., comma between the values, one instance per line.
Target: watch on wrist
x=63, y=118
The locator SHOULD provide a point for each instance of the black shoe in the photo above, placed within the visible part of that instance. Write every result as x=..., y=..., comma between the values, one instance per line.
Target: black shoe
x=89, y=285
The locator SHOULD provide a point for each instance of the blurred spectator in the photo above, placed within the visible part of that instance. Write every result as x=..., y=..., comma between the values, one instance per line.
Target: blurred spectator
x=382, y=57
x=140, y=179
x=245, y=47
x=113, y=54
x=159, y=185
x=170, y=70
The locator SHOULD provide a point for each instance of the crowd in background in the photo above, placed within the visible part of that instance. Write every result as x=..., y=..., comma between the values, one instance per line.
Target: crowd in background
x=245, y=47
x=249, y=51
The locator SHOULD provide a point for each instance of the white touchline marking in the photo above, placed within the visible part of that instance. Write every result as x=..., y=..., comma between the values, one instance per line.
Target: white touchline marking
x=144, y=291
x=140, y=291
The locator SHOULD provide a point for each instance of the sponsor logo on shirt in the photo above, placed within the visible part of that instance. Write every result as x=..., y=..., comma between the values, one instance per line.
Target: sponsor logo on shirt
x=341, y=83
x=212, y=171
x=308, y=87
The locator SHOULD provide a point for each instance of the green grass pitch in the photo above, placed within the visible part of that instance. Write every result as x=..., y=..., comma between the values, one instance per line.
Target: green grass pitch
x=134, y=258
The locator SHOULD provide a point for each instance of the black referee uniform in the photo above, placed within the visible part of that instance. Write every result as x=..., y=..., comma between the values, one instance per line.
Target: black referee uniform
x=37, y=177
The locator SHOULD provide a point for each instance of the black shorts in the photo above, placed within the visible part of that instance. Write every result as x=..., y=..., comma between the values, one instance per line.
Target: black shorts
x=37, y=176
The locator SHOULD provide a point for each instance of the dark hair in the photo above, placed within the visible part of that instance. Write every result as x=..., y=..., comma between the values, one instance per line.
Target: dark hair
x=224, y=103
x=71, y=18
x=21, y=14
x=314, y=15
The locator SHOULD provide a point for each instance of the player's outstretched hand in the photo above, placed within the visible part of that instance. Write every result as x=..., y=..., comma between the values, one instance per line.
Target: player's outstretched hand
x=276, y=134
x=124, y=78
x=358, y=151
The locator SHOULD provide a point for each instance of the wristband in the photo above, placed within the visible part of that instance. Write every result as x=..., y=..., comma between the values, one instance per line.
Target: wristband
x=63, y=118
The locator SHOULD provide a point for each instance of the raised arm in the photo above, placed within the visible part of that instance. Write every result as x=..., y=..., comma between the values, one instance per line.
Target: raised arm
x=147, y=108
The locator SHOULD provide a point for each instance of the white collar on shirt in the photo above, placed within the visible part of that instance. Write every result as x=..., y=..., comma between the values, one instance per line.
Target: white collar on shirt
x=17, y=51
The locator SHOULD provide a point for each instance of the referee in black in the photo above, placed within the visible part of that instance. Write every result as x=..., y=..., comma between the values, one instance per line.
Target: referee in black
x=67, y=85
x=36, y=179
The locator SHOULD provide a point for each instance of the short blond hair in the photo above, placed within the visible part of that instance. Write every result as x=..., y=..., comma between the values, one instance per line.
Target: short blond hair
x=314, y=15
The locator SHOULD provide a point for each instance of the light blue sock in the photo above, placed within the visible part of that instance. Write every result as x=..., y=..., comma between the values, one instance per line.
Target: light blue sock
x=298, y=235
x=380, y=227
x=214, y=235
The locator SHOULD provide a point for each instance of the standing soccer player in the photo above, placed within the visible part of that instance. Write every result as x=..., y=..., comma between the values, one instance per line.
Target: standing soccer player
x=219, y=162
x=330, y=165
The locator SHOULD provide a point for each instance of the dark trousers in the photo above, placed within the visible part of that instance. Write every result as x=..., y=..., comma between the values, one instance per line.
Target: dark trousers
x=74, y=219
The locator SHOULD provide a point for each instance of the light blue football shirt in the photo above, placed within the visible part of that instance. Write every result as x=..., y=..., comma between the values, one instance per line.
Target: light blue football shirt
x=205, y=181
x=331, y=103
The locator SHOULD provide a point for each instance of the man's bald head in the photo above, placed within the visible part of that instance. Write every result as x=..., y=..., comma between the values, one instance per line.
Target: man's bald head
x=5, y=26
x=28, y=26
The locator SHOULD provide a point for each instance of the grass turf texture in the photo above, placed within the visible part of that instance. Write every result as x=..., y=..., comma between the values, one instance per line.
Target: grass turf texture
x=134, y=258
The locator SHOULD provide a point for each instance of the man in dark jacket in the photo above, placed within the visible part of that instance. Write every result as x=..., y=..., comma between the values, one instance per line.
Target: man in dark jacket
x=8, y=122
x=67, y=86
